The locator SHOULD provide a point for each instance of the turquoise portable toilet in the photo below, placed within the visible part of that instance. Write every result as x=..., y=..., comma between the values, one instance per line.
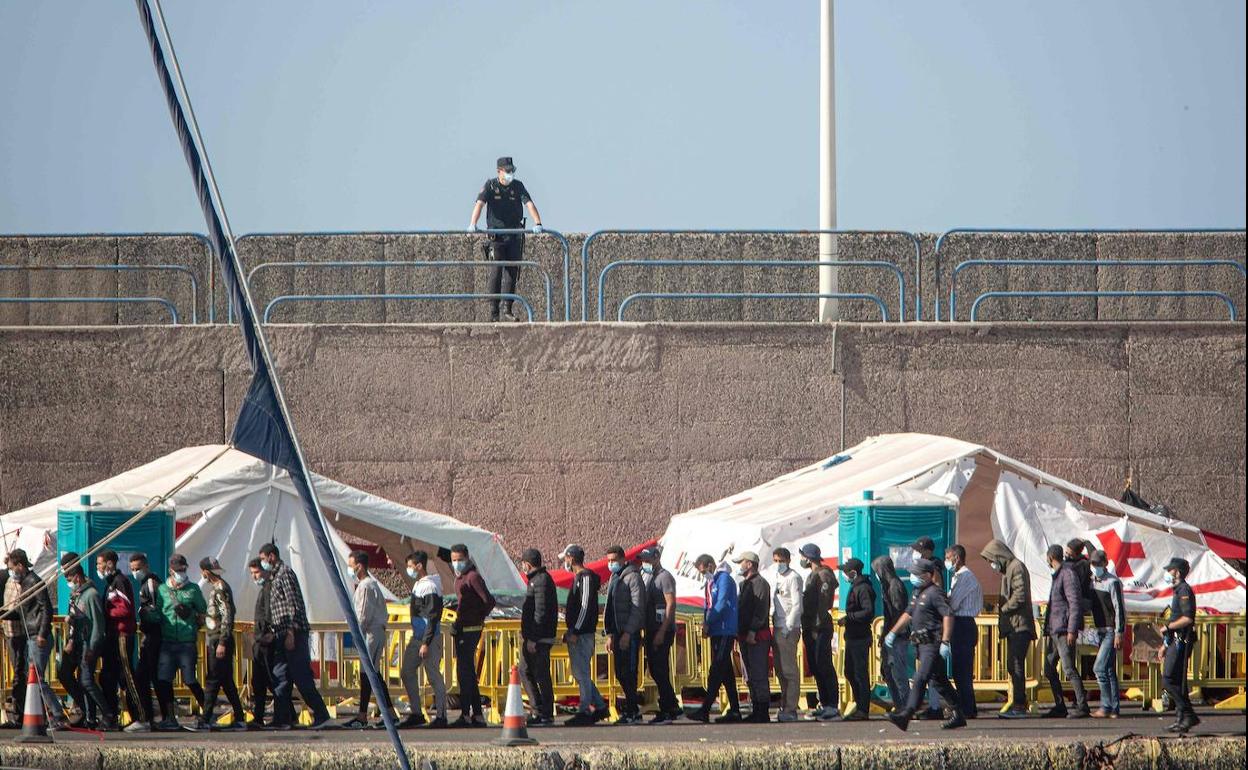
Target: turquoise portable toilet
x=886, y=522
x=81, y=526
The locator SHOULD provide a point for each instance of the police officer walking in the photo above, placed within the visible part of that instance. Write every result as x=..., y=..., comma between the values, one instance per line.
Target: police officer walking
x=1178, y=635
x=504, y=199
x=931, y=620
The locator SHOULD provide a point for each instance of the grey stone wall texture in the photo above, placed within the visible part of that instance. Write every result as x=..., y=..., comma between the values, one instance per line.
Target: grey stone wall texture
x=598, y=433
x=895, y=249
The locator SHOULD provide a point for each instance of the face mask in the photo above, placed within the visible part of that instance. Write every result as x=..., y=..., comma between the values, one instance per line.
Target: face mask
x=782, y=567
x=411, y=572
x=508, y=177
x=105, y=575
x=180, y=578
x=140, y=575
x=915, y=556
x=1169, y=578
x=459, y=567
x=996, y=567
x=1098, y=571
x=615, y=567
x=1054, y=570
x=948, y=564
x=258, y=581
x=648, y=569
x=264, y=565
x=916, y=581
x=805, y=563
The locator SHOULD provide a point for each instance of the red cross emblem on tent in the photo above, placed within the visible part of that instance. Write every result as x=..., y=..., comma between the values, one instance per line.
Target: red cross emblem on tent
x=1120, y=551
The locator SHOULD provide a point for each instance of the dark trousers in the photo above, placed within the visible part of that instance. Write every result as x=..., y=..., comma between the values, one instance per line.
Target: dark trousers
x=1174, y=678
x=722, y=674
x=291, y=669
x=857, y=671
x=145, y=673
x=504, y=279
x=220, y=678
x=964, y=640
x=21, y=670
x=537, y=669
x=931, y=668
x=466, y=672
x=659, y=662
x=112, y=674
x=1059, y=651
x=818, y=645
x=77, y=676
x=757, y=677
x=625, y=662
x=261, y=680
x=1016, y=648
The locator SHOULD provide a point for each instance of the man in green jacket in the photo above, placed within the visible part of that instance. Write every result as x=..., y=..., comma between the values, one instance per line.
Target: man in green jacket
x=180, y=607
x=1015, y=621
x=83, y=648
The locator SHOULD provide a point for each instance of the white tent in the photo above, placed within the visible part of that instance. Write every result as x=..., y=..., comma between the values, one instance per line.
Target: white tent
x=998, y=497
x=246, y=502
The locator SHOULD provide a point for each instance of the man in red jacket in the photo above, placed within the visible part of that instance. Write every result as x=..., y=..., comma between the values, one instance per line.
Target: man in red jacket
x=119, y=635
x=474, y=604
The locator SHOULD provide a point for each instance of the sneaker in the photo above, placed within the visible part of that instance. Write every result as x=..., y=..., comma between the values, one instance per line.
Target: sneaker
x=280, y=727
x=169, y=725
x=932, y=715
x=627, y=719
x=201, y=726
x=1013, y=714
x=660, y=718
x=1189, y=723
x=138, y=727
x=786, y=716
x=325, y=723
x=437, y=723
x=1057, y=712
x=579, y=719
x=463, y=721
x=829, y=714
x=954, y=722
x=539, y=721
x=701, y=715
x=478, y=720
x=857, y=716
x=237, y=726
x=414, y=719
x=110, y=725
x=901, y=719
x=355, y=723
x=1079, y=713
x=758, y=717
x=601, y=715
x=729, y=718
x=675, y=714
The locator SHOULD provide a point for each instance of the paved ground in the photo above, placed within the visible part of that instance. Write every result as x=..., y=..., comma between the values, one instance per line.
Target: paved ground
x=690, y=733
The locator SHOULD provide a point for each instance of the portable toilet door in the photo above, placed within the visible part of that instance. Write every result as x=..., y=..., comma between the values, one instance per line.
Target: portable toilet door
x=79, y=527
x=886, y=522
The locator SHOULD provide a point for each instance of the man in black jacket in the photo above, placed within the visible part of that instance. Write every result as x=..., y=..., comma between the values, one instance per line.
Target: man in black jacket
x=896, y=662
x=538, y=619
x=754, y=632
x=149, y=645
x=817, y=597
x=859, y=612
x=660, y=630
x=581, y=616
x=262, y=677
x=28, y=625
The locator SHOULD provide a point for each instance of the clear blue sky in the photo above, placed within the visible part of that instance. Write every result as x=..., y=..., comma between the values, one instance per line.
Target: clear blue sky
x=653, y=113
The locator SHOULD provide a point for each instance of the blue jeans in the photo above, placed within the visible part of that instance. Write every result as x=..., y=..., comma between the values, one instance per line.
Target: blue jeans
x=1106, y=670
x=897, y=666
x=175, y=657
x=579, y=654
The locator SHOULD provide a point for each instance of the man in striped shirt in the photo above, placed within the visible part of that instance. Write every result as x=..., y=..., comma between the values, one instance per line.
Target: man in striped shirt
x=966, y=599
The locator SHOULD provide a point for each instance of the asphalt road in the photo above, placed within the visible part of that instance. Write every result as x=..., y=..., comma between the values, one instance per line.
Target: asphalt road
x=685, y=732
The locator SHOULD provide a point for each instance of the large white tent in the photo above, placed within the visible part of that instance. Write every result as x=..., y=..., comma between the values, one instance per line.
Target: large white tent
x=998, y=497
x=246, y=502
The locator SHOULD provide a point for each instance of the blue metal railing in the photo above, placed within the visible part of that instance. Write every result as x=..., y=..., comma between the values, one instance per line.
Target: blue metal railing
x=125, y=268
x=948, y=234
x=476, y=264
x=749, y=295
x=1230, y=304
x=563, y=242
x=1097, y=263
x=606, y=270
x=173, y=311
x=589, y=240
x=288, y=298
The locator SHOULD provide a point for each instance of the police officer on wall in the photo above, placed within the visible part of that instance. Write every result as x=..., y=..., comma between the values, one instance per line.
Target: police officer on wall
x=504, y=199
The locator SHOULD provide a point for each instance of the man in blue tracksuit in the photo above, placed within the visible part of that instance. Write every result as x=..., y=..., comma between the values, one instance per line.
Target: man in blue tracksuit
x=721, y=626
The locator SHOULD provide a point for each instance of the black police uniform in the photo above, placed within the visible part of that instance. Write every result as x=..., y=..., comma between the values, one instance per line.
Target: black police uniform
x=928, y=609
x=1178, y=651
x=504, y=210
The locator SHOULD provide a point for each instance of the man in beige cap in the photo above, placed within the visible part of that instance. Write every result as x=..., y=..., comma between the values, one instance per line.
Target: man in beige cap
x=754, y=624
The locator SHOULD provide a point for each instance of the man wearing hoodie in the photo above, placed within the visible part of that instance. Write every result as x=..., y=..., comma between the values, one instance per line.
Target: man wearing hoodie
x=539, y=617
x=1062, y=620
x=1110, y=614
x=622, y=619
x=424, y=644
x=1014, y=621
x=896, y=662
x=786, y=622
x=720, y=623
x=83, y=649
x=859, y=612
x=817, y=598
x=474, y=603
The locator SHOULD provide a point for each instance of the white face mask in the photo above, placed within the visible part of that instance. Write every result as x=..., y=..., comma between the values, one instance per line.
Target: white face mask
x=782, y=567
x=648, y=569
x=1169, y=579
x=915, y=556
x=180, y=578
x=916, y=580
x=996, y=567
x=258, y=581
x=106, y=574
x=948, y=564
x=508, y=177
x=411, y=572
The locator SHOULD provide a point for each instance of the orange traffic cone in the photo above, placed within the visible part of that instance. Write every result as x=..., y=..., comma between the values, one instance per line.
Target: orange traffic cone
x=34, y=727
x=515, y=725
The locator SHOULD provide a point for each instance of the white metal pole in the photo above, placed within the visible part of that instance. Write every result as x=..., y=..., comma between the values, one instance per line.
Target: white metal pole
x=828, y=279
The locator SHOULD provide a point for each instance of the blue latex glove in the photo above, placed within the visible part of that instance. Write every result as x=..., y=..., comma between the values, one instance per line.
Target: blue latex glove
x=537, y=229
x=946, y=651
x=472, y=228
x=888, y=640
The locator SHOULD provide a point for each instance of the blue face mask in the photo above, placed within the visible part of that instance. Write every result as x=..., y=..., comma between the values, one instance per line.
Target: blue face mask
x=782, y=567
x=140, y=574
x=411, y=573
x=264, y=565
x=916, y=580
x=648, y=569
x=459, y=567
x=259, y=581
x=615, y=567
x=1099, y=572
x=508, y=177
